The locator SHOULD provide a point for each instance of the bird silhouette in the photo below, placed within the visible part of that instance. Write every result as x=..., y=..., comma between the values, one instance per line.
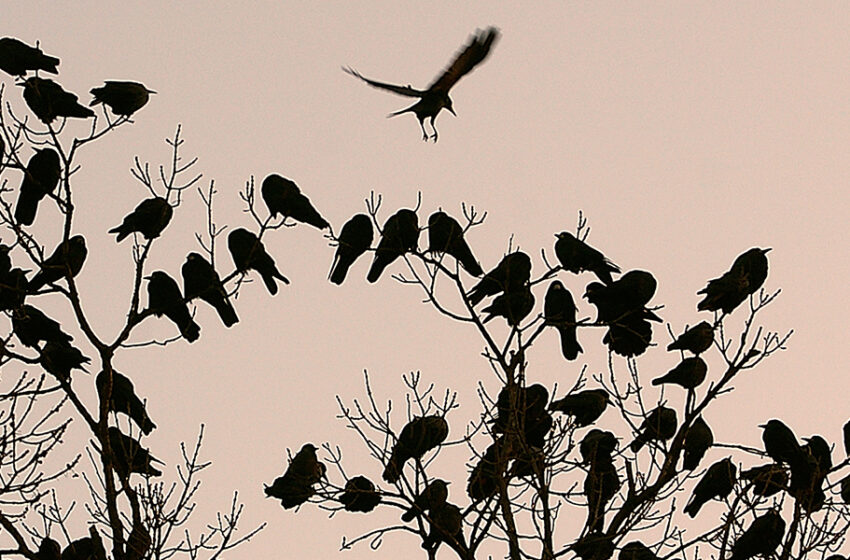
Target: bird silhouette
x=513, y=271
x=446, y=236
x=436, y=97
x=48, y=100
x=354, y=239
x=17, y=58
x=165, y=298
x=40, y=179
x=622, y=306
x=446, y=525
x=360, y=495
x=594, y=545
x=65, y=261
x=689, y=373
x=746, y=276
x=600, y=485
x=400, y=235
x=13, y=289
x=636, y=550
x=58, y=358
x=31, y=326
x=577, y=256
x=762, y=537
x=149, y=218
x=514, y=305
x=417, y=437
x=660, y=424
x=200, y=280
x=283, y=196
x=767, y=479
x=86, y=548
x=249, y=253
x=585, y=406
x=696, y=339
x=483, y=481
x=124, y=98
x=717, y=482
x=49, y=550
x=122, y=398
x=296, y=485
x=697, y=441
x=559, y=311
x=128, y=455
x=597, y=446
x=525, y=406
x=434, y=494
x=780, y=443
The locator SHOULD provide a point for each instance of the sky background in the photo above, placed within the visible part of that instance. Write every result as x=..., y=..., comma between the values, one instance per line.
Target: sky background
x=686, y=134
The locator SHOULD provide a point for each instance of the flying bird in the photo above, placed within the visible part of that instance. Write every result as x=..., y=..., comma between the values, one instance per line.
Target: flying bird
x=149, y=218
x=40, y=179
x=354, y=239
x=200, y=280
x=249, y=253
x=436, y=97
x=124, y=98
x=16, y=58
x=283, y=196
x=49, y=100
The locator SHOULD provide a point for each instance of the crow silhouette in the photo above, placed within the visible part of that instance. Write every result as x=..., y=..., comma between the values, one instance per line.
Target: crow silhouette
x=354, y=239
x=124, y=98
x=249, y=253
x=40, y=179
x=48, y=100
x=283, y=196
x=17, y=58
x=149, y=218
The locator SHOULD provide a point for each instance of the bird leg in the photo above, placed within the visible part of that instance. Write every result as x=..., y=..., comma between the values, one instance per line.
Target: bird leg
x=422, y=125
x=435, y=128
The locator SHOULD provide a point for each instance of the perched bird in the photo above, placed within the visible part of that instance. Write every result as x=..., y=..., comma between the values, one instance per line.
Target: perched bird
x=523, y=405
x=636, y=550
x=417, y=437
x=40, y=179
x=697, y=441
x=597, y=446
x=283, y=196
x=296, y=485
x=436, y=97
x=354, y=239
x=67, y=260
x=249, y=253
x=688, y=374
x=660, y=424
x=586, y=406
x=762, y=537
x=696, y=339
x=31, y=326
x=58, y=358
x=200, y=280
x=433, y=495
x=594, y=545
x=122, y=398
x=577, y=256
x=48, y=100
x=48, y=549
x=446, y=236
x=746, y=276
x=767, y=479
x=149, y=218
x=400, y=235
x=559, y=310
x=513, y=271
x=13, y=289
x=514, y=305
x=87, y=548
x=360, y=495
x=600, y=486
x=164, y=298
x=819, y=449
x=129, y=456
x=483, y=481
x=17, y=58
x=717, y=482
x=622, y=306
x=780, y=443
x=446, y=527
x=124, y=98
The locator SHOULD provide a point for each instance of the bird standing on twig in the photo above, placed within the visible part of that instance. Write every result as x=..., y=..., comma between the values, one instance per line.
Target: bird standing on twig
x=436, y=97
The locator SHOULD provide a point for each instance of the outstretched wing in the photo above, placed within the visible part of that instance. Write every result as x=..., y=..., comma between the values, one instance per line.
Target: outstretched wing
x=467, y=59
x=401, y=90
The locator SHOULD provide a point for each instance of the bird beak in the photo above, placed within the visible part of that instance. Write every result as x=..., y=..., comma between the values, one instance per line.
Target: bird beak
x=767, y=250
x=151, y=91
x=452, y=111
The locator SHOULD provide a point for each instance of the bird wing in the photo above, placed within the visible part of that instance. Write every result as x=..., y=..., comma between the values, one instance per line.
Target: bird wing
x=401, y=90
x=467, y=59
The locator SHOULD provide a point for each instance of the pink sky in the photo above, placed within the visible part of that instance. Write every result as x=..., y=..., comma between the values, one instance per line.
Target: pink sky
x=686, y=134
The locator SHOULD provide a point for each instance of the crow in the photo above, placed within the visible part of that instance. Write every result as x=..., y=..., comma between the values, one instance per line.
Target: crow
x=296, y=485
x=128, y=456
x=660, y=424
x=446, y=236
x=746, y=276
x=359, y=494
x=688, y=374
x=122, y=398
x=165, y=298
x=696, y=339
x=249, y=253
x=576, y=256
x=200, y=280
x=697, y=441
x=354, y=239
x=400, y=235
x=149, y=218
x=559, y=311
x=283, y=196
x=417, y=437
x=40, y=179
x=763, y=537
x=124, y=98
x=17, y=58
x=67, y=260
x=586, y=406
x=513, y=271
x=717, y=482
x=48, y=100
x=434, y=494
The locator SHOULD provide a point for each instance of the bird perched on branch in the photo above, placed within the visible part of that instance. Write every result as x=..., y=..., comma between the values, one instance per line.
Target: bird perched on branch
x=400, y=235
x=149, y=218
x=514, y=305
x=283, y=197
x=559, y=311
x=433, y=495
x=747, y=275
x=124, y=98
x=296, y=485
x=58, y=358
x=513, y=271
x=696, y=339
x=354, y=239
x=636, y=550
x=436, y=97
x=86, y=548
x=66, y=260
x=122, y=398
x=48, y=100
x=446, y=236
x=697, y=441
x=417, y=437
x=586, y=406
x=359, y=494
x=249, y=253
x=200, y=280
x=660, y=424
x=17, y=58
x=577, y=256
x=762, y=537
x=165, y=298
x=622, y=306
x=780, y=443
x=767, y=479
x=40, y=179
x=597, y=446
x=31, y=326
x=717, y=482
x=129, y=456
x=49, y=550
x=689, y=373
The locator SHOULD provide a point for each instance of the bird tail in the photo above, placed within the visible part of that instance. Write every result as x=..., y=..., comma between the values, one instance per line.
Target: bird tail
x=122, y=233
x=26, y=208
x=338, y=271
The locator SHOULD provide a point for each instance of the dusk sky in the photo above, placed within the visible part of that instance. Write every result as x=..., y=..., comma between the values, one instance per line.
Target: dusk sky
x=685, y=134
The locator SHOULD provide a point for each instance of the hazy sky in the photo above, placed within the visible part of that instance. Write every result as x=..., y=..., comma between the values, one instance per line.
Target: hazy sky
x=685, y=134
